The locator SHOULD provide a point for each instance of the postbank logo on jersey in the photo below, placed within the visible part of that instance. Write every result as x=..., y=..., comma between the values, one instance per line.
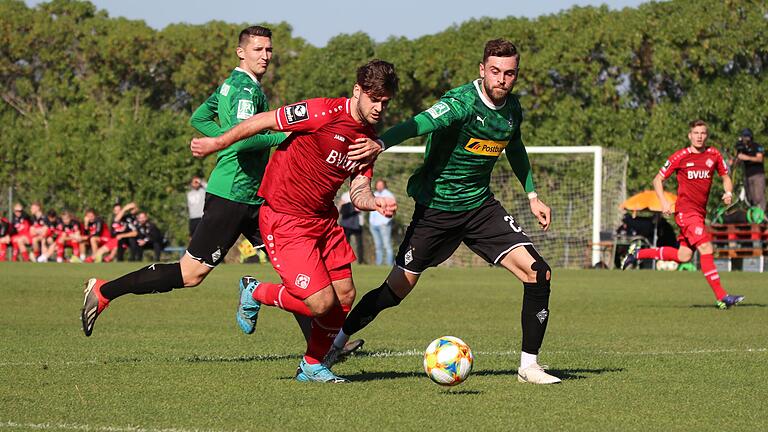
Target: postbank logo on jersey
x=296, y=113
x=485, y=147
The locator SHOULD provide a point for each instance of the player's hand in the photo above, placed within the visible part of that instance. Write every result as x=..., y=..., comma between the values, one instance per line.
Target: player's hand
x=364, y=150
x=542, y=212
x=728, y=198
x=386, y=206
x=666, y=208
x=202, y=147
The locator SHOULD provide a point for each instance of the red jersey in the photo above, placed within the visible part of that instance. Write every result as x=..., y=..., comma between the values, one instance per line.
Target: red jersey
x=21, y=224
x=73, y=227
x=97, y=228
x=309, y=167
x=694, y=177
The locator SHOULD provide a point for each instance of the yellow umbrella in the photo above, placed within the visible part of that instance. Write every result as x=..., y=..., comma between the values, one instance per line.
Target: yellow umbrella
x=647, y=200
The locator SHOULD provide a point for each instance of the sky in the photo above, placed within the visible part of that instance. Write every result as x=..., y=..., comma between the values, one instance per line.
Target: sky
x=318, y=21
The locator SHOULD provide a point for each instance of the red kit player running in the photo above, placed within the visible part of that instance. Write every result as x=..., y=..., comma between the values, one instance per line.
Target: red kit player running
x=695, y=166
x=306, y=246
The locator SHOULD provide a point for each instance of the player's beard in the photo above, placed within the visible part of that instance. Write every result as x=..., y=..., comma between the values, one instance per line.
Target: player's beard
x=497, y=94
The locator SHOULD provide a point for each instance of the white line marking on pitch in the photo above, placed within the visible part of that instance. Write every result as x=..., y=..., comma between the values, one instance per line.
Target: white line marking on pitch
x=82, y=427
x=415, y=353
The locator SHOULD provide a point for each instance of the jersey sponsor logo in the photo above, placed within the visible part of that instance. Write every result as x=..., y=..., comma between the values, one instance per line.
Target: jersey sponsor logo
x=302, y=281
x=244, y=109
x=296, y=113
x=224, y=89
x=341, y=160
x=485, y=147
x=438, y=109
x=698, y=174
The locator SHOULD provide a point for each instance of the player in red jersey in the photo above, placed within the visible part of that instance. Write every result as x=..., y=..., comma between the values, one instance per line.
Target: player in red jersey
x=70, y=234
x=38, y=231
x=695, y=166
x=20, y=235
x=306, y=246
x=5, y=236
x=96, y=231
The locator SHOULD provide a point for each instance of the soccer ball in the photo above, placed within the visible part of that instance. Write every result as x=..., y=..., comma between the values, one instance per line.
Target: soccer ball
x=448, y=361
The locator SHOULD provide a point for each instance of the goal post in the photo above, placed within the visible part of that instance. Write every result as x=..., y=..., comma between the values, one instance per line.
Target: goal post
x=583, y=185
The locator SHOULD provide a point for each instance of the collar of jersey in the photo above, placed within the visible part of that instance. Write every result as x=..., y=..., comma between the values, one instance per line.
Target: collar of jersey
x=485, y=100
x=239, y=69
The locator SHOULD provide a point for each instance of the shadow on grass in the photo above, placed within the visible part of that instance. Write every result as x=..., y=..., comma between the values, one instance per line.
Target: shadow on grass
x=239, y=359
x=712, y=306
x=564, y=374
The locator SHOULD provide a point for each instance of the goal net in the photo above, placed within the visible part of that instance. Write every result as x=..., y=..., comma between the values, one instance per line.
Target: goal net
x=565, y=180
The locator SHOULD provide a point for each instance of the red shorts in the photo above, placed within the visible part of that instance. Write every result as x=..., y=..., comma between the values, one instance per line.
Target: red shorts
x=307, y=253
x=74, y=244
x=111, y=243
x=25, y=235
x=692, y=230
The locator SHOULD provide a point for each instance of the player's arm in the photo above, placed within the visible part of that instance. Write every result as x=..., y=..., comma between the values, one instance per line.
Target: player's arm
x=658, y=187
x=204, y=117
x=202, y=147
x=728, y=187
x=441, y=115
x=361, y=196
x=521, y=166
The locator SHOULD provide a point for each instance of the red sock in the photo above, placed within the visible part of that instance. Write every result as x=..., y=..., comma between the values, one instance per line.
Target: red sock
x=24, y=255
x=3, y=249
x=60, y=250
x=324, y=330
x=15, y=253
x=664, y=253
x=712, y=276
x=277, y=295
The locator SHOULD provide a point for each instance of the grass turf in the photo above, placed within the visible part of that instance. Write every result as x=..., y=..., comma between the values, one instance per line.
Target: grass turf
x=637, y=350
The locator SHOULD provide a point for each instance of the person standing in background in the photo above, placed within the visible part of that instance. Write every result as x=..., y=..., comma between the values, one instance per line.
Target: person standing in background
x=381, y=227
x=195, y=203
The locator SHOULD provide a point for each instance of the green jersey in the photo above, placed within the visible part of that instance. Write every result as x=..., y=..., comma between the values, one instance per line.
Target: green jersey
x=467, y=133
x=240, y=167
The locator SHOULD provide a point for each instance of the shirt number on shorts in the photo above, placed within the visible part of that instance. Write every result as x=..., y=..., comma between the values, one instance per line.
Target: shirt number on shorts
x=515, y=227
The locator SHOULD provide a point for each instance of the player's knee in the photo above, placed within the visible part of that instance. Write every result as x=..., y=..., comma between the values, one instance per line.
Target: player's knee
x=540, y=272
x=321, y=302
x=192, y=278
x=706, y=248
x=684, y=255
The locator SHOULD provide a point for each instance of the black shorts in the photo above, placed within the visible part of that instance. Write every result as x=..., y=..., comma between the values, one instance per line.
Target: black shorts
x=434, y=235
x=193, y=223
x=223, y=222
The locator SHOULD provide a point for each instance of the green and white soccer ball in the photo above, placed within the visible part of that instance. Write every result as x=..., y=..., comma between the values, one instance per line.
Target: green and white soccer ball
x=448, y=361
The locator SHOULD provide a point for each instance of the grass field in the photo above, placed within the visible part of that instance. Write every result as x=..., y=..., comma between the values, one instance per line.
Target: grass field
x=637, y=350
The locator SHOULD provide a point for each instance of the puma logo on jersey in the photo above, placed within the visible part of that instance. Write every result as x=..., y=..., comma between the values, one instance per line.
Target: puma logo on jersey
x=689, y=164
x=339, y=137
x=485, y=147
x=481, y=120
x=249, y=90
x=340, y=160
x=698, y=174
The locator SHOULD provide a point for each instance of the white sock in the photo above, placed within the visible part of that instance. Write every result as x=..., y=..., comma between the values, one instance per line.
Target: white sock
x=527, y=359
x=341, y=339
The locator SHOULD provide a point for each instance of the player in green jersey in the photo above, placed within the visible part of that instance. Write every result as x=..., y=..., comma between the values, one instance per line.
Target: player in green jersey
x=467, y=131
x=231, y=204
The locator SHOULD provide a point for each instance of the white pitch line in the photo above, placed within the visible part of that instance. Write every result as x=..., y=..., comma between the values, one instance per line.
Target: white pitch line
x=82, y=427
x=419, y=353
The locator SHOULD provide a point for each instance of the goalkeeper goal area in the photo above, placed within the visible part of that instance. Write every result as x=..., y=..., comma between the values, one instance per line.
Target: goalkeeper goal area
x=583, y=185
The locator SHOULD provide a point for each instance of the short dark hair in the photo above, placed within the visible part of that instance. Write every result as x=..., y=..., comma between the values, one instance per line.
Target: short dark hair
x=378, y=78
x=52, y=213
x=499, y=48
x=697, y=122
x=253, y=31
